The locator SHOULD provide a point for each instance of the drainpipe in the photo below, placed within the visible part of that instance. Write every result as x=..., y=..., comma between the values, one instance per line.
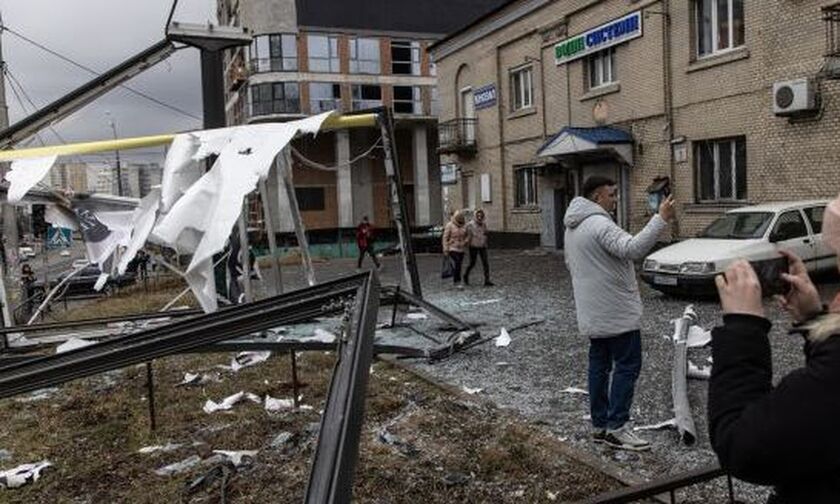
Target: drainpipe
x=667, y=76
x=500, y=112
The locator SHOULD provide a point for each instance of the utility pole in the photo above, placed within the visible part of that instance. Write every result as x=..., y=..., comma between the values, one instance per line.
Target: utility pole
x=10, y=230
x=119, y=169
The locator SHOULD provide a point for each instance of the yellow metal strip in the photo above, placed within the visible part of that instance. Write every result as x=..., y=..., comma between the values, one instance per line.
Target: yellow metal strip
x=331, y=123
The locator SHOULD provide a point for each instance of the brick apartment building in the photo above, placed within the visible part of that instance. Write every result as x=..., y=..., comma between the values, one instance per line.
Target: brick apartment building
x=540, y=94
x=311, y=56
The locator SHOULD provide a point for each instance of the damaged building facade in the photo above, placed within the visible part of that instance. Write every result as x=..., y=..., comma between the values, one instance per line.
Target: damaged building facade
x=312, y=56
x=725, y=102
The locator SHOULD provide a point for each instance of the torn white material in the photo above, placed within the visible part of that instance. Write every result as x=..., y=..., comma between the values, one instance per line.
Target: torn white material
x=483, y=302
x=72, y=344
x=228, y=402
x=179, y=467
x=272, y=404
x=321, y=336
x=203, y=285
x=25, y=174
x=197, y=379
x=503, y=339
x=698, y=337
x=697, y=372
x=667, y=424
x=60, y=217
x=247, y=359
x=574, y=390
x=100, y=282
x=23, y=474
x=143, y=218
x=237, y=457
x=168, y=447
x=471, y=391
x=416, y=316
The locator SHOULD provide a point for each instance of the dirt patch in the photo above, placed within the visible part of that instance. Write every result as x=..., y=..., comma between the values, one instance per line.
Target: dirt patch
x=418, y=442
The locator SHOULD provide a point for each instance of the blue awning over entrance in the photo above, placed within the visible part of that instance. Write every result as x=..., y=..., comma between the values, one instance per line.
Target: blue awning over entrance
x=587, y=142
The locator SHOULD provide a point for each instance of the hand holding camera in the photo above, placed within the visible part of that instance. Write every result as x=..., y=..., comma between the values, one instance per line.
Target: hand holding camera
x=740, y=290
x=802, y=301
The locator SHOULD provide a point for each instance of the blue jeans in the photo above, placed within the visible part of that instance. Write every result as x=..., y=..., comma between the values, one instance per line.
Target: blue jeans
x=620, y=358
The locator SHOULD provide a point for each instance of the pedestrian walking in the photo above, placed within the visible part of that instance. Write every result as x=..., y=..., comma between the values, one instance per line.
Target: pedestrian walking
x=477, y=232
x=599, y=256
x=364, y=240
x=455, y=243
x=783, y=435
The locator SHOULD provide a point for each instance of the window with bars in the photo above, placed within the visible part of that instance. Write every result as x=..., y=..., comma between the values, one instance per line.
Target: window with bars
x=601, y=68
x=525, y=187
x=405, y=57
x=275, y=98
x=721, y=167
x=521, y=88
x=365, y=97
x=323, y=53
x=273, y=53
x=324, y=96
x=364, y=56
x=719, y=25
x=408, y=100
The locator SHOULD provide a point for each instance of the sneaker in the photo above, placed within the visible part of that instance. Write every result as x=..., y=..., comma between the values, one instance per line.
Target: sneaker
x=488, y=283
x=599, y=435
x=624, y=439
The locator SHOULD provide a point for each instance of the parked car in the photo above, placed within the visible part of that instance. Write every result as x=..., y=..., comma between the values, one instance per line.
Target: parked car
x=83, y=282
x=755, y=233
x=26, y=252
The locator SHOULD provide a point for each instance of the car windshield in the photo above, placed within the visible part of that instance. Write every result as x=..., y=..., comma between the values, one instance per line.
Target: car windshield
x=739, y=226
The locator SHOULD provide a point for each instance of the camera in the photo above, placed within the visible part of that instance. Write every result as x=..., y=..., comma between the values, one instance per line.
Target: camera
x=769, y=273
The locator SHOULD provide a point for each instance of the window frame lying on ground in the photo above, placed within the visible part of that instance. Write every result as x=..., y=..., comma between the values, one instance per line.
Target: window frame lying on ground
x=716, y=155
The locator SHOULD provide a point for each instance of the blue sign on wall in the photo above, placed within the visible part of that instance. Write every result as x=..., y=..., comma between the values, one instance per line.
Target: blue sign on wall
x=597, y=39
x=484, y=97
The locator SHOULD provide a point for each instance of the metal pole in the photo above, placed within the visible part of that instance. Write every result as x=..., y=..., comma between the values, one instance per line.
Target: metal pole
x=150, y=382
x=10, y=230
x=294, y=379
x=272, y=238
x=285, y=167
x=399, y=212
x=244, y=249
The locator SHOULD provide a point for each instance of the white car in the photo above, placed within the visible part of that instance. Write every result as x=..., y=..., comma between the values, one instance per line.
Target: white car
x=755, y=233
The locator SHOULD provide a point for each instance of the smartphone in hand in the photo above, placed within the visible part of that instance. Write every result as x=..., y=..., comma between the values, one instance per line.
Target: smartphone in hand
x=769, y=273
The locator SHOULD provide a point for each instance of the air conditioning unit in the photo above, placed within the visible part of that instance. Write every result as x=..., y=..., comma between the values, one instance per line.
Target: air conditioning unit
x=794, y=97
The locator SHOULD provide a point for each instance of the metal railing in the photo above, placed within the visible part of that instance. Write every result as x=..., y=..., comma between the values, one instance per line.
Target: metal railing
x=831, y=16
x=260, y=65
x=457, y=135
x=669, y=486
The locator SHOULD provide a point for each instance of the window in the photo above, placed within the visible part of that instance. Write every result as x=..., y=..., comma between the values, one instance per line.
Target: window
x=815, y=217
x=364, y=55
x=273, y=53
x=521, y=89
x=719, y=25
x=601, y=68
x=365, y=97
x=323, y=53
x=721, y=169
x=275, y=98
x=789, y=226
x=324, y=96
x=408, y=100
x=434, y=101
x=525, y=187
x=405, y=57
x=310, y=199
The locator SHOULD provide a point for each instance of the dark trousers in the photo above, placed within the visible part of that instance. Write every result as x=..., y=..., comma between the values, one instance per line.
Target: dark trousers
x=369, y=251
x=482, y=253
x=457, y=261
x=614, y=365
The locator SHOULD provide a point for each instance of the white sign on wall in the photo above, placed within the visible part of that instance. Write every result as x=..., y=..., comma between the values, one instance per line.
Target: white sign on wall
x=485, y=188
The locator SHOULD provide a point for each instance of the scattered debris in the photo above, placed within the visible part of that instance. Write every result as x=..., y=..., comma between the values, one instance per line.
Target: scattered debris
x=272, y=404
x=667, y=424
x=72, y=344
x=455, y=479
x=552, y=496
x=698, y=337
x=503, y=339
x=282, y=439
x=168, y=447
x=404, y=447
x=471, y=391
x=193, y=379
x=238, y=458
x=5, y=455
x=246, y=359
x=503, y=363
x=210, y=406
x=23, y=474
x=221, y=471
x=178, y=467
x=574, y=390
x=38, y=395
x=322, y=336
x=698, y=373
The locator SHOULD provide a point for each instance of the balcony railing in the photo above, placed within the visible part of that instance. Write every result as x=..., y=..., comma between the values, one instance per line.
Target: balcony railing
x=457, y=136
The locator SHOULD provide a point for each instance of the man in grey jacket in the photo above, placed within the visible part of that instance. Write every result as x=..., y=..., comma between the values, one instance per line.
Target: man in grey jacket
x=599, y=256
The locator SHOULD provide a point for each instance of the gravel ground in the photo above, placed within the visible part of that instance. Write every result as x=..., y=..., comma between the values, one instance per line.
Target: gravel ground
x=542, y=360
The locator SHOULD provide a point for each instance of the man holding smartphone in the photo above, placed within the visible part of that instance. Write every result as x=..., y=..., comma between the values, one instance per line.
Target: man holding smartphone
x=785, y=436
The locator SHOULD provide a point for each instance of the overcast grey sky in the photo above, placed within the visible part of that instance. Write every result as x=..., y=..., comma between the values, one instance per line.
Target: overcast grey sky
x=100, y=34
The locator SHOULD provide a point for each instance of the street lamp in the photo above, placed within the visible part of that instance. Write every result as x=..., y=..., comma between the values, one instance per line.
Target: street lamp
x=119, y=170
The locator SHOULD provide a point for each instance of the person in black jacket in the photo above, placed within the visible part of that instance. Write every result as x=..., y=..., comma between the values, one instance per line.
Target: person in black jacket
x=787, y=435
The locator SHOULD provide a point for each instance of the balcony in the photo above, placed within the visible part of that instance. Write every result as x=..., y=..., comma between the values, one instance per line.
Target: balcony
x=457, y=136
x=831, y=17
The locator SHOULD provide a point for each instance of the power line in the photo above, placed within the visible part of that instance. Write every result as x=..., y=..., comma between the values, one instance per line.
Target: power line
x=94, y=72
x=22, y=106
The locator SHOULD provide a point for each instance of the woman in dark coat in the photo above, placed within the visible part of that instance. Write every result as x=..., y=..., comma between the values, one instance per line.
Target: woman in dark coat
x=785, y=436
